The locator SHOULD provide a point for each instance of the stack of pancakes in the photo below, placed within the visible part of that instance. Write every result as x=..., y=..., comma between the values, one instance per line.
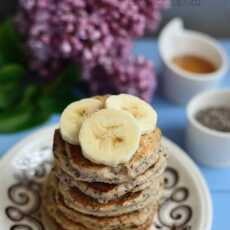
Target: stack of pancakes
x=80, y=194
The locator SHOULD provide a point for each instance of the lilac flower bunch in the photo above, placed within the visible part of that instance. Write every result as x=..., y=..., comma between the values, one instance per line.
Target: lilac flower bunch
x=94, y=33
x=130, y=18
x=133, y=76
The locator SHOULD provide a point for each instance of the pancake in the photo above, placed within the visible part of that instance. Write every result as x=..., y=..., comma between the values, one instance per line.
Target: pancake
x=130, y=202
x=104, y=193
x=50, y=212
x=47, y=220
x=63, y=223
x=69, y=219
x=71, y=160
x=136, y=218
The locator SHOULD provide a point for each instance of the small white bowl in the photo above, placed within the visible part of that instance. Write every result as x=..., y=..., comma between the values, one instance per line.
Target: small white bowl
x=206, y=145
x=180, y=85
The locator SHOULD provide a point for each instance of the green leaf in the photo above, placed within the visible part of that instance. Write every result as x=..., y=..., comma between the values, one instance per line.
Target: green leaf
x=65, y=80
x=20, y=119
x=12, y=73
x=11, y=77
x=25, y=114
x=8, y=96
x=29, y=96
x=34, y=103
x=10, y=44
x=60, y=92
x=14, y=121
x=1, y=59
x=48, y=103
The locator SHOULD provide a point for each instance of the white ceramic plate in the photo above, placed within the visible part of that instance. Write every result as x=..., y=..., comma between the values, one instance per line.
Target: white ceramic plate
x=186, y=204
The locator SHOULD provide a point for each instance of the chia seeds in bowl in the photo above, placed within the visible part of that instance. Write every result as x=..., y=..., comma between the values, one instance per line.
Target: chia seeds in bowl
x=216, y=118
x=208, y=128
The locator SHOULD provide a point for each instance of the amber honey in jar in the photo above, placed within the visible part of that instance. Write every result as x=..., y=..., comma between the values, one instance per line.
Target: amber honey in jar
x=194, y=64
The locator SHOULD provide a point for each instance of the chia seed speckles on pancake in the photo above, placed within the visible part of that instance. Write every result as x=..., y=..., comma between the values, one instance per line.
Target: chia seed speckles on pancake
x=130, y=202
x=82, y=195
x=63, y=215
x=82, y=169
x=104, y=192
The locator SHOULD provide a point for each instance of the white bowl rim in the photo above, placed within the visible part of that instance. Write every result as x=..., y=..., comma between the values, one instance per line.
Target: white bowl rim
x=220, y=71
x=197, y=124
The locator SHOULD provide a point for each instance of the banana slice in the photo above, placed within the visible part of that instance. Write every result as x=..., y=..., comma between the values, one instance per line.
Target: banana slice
x=109, y=137
x=145, y=115
x=73, y=116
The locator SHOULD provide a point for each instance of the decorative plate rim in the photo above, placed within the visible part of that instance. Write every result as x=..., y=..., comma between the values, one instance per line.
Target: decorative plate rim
x=202, y=187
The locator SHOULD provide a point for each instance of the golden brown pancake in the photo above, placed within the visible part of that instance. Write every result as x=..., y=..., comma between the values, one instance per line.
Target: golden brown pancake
x=70, y=219
x=104, y=192
x=136, y=218
x=63, y=223
x=130, y=202
x=70, y=159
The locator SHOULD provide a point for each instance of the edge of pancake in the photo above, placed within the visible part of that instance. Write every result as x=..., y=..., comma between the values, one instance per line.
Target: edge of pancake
x=109, y=223
x=73, y=162
x=130, y=202
x=58, y=218
x=103, y=192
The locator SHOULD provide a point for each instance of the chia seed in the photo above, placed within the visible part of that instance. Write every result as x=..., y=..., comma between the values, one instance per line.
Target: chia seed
x=216, y=118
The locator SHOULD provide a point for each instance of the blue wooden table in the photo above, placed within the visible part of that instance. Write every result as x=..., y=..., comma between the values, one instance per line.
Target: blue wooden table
x=172, y=121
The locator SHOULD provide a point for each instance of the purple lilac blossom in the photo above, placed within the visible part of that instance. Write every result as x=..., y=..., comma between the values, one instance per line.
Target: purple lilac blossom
x=94, y=33
x=134, y=76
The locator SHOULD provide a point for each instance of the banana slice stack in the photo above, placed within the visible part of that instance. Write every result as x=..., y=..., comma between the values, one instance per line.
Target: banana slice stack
x=110, y=135
x=108, y=165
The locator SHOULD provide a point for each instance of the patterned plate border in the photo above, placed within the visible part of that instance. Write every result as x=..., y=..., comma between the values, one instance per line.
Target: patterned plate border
x=24, y=194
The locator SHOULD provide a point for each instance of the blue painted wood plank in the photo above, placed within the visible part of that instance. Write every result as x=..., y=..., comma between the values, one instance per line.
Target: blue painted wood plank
x=221, y=207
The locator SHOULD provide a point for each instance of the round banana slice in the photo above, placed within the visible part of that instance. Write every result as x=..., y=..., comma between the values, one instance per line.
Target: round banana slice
x=109, y=137
x=145, y=115
x=73, y=116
